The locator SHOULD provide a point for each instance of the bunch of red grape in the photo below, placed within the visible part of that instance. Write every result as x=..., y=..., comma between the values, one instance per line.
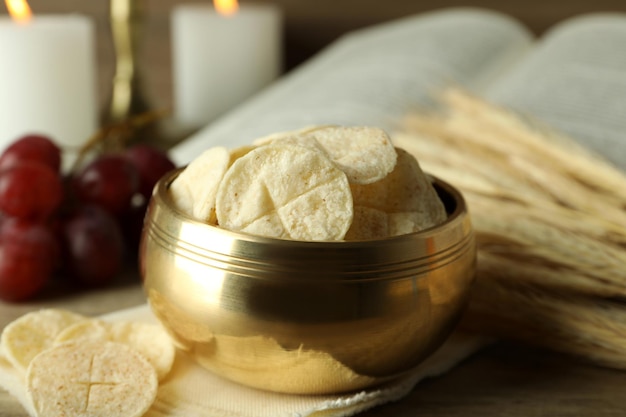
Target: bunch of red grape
x=82, y=225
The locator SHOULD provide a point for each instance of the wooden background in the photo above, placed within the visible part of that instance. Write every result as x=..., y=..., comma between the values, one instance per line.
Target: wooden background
x=308, y=27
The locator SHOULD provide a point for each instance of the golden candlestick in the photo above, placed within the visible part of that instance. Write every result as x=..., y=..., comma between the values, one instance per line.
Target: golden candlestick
x=127, y=98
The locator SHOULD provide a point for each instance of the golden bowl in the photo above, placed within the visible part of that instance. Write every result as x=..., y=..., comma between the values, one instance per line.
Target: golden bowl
x=306, y=317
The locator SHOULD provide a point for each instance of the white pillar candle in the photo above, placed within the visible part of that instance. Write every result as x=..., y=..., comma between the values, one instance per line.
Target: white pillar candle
x=219, y=61
x=47, y=70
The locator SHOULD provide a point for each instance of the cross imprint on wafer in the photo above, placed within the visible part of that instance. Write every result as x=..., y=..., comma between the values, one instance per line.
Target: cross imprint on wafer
x=288, y=191
x=90, y=383
x=91, y=378
x=275, y=208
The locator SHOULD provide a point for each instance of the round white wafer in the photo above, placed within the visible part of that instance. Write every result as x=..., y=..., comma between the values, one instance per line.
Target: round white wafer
x=91, y=379
x=365, y=154
x=368, y=223
x=150, y=340
x=406, y=197
x=32, y=333
x=85, y=330
x=193, y=191
x=286, y=191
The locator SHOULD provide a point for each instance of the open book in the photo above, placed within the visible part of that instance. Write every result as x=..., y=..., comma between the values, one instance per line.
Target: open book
x=573, y=79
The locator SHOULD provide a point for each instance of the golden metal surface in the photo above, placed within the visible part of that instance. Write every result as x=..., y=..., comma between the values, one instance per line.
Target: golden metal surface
x=127, y=97
x=306, y=317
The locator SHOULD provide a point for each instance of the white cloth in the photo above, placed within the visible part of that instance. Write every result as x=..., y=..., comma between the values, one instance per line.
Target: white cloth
x=191, y=391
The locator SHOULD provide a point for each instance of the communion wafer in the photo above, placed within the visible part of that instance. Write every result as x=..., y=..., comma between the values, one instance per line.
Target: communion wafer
x=91, y=379
x=85, y=330
x=300, y=137
x=194, y=190
x=287, y=191
x=149, y=340
x=368, y=223
x=406, y=196
x=32, y=333
x=365, y=154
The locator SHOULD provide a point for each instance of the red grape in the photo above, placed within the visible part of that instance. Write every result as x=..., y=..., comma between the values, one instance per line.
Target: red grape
x=93, y=244
x=42, y=226
x=30, y=190
x=151, y=164
x=28, y=256
x=34, y=148
x=109, y=181
x=131, y=223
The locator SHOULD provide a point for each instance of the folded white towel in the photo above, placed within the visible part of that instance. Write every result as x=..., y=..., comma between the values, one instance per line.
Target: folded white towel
x=191, y=391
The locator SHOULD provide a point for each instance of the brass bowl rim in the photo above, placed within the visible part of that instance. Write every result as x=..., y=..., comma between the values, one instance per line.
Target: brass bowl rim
x=161, y=193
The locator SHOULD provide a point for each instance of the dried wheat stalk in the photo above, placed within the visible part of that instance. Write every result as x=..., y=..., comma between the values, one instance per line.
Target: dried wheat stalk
x=588, y=327
x=550, y=219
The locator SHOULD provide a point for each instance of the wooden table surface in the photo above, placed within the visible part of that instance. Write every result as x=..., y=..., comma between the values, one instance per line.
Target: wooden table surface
x=503, y=380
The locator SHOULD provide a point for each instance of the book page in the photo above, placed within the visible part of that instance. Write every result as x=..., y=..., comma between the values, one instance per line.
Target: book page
x=374, y=76
x=575, y=81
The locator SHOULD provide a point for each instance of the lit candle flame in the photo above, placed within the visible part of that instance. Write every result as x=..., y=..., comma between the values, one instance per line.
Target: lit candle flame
x=225, y=7
x=19, y=10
